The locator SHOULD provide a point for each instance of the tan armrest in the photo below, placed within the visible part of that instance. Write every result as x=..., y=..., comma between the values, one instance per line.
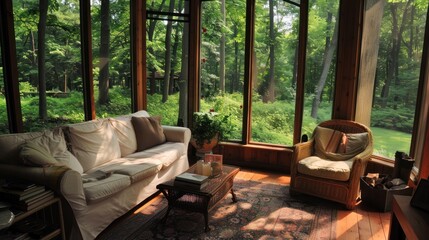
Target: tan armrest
x=303, y=150
x=177, y=134
x=47, y=176
x=61, y=179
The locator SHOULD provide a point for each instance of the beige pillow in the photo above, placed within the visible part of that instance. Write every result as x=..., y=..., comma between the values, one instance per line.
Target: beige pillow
x=149, y=132
x=124, y=130
x=35, y=155
x=93, y=143
x=330, y=141
x=55, y=145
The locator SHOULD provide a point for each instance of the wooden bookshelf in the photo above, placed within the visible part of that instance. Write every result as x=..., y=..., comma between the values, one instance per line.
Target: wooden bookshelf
x=50, y=213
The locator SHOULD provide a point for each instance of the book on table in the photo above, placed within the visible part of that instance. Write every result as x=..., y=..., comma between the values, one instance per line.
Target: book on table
x=192, y=178
x=189, y=185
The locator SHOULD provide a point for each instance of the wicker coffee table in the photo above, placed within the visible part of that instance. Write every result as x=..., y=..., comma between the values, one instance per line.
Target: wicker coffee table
x=200, y=200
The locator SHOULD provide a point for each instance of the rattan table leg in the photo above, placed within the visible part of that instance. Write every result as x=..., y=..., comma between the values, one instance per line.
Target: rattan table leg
x=234, y=198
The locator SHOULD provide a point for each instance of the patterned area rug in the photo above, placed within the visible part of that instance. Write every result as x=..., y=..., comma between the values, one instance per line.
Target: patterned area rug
x=263, y=211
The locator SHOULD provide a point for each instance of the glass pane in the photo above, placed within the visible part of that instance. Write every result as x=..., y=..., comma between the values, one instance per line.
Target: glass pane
x=274, y=84
x=167, y=64
x=49, y=64
x=222, y=61
x=397, y=78
x=111, y=57
x=4, y=124
x=320, y=63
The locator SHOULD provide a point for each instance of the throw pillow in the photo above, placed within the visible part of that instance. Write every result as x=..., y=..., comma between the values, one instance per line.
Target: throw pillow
x=356, y=142
x=93, y=143
x=35, y=155
x=148, y=131
x=124, y=130
x=331, y=141
x=53, y=142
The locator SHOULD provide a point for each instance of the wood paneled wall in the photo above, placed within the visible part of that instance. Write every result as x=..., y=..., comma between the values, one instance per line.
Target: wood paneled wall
x=254, y=156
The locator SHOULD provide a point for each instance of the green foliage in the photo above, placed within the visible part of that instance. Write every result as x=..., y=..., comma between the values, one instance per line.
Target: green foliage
x=206, y=125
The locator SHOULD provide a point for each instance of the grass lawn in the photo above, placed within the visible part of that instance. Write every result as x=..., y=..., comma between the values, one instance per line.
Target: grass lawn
x=387, y=142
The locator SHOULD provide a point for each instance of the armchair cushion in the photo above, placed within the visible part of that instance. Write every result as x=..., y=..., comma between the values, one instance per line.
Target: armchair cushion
x=318, y=167
x=338, y=146
x=356, y=142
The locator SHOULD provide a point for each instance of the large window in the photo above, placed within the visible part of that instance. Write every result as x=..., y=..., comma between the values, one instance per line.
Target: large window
x=167, y=39
x=49, y=62
x=222, y=51
x=396, y=77
x=111, y=43
x=321, y=58
x=274, y=81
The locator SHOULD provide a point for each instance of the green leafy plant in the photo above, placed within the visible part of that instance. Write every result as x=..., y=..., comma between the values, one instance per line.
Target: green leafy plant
x=206, y=125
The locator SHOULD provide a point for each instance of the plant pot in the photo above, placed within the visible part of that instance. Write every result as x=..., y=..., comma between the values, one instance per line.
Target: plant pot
x=205, y=148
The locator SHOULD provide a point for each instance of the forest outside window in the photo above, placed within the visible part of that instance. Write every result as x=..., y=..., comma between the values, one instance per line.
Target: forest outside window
x=275, y=72
x=397, y=56
x=49, y=62
x=320, y=63
x=167, y=48
x=223, y=26
x=111, y=53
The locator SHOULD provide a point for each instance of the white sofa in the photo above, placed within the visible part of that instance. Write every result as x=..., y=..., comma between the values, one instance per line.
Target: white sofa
x=98, y=167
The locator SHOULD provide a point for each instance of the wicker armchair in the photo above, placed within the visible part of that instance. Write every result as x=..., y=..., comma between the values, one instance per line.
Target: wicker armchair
x=346, y=190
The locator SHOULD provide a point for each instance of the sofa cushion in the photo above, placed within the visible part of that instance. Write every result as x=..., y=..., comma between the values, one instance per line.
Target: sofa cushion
x=10, y=146
x=93, y=143
x=166, y=153
x=102, y=187
x=317, y=167
x=35, y=155
x=148, y=131
x=124, y=130
x=136, y=168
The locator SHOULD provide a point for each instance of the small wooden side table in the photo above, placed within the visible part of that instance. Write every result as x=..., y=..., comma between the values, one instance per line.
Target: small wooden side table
x=408, y=222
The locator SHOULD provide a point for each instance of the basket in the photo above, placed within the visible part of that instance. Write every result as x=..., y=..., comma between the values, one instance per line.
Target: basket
x=380, y=199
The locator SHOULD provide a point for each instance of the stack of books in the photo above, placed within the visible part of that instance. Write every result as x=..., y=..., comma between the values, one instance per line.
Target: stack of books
x=23, y=195
x=191, y=180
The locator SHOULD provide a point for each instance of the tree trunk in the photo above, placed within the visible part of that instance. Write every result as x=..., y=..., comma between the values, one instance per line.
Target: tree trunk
x=103, y=78
x=33, y=77
x=327, y=60
x=184, y=75
x=235, y=79
x=167, y=63
x=43, y=9
x=397, y=30
x=174, y=58
x=222, y=50
x=270, y=93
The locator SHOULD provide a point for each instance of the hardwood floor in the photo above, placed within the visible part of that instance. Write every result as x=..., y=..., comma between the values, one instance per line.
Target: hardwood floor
x=357, y=224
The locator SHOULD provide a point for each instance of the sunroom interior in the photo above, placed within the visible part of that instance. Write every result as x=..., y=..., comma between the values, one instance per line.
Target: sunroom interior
x=277, y=68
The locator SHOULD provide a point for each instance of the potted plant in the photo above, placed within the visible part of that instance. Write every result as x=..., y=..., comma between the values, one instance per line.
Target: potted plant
x=208, y=129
